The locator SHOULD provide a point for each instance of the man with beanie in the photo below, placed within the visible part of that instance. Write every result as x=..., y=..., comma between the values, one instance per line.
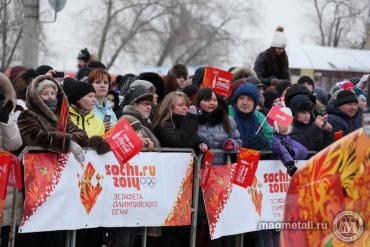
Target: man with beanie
x=344, y=114
x=248, y=120
x=273, y=62
x=83, y=58
x=307, y=82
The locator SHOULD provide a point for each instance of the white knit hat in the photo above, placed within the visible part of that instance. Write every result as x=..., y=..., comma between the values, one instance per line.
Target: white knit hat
x=287, y=111
x=279, y=40
x=44, y=84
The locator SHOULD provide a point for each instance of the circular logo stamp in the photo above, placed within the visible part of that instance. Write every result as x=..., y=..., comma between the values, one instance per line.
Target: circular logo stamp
x=348, y=226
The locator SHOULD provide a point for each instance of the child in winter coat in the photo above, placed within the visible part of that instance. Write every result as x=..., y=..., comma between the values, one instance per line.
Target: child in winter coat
x=286, y=147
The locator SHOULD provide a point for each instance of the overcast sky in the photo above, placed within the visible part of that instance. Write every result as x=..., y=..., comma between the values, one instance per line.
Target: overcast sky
x=68, y=34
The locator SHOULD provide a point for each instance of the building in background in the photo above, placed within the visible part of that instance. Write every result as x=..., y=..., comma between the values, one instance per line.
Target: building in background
x=327, y=65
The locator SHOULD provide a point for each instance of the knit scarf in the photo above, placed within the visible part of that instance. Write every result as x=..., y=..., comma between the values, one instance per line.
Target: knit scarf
x=246, y=123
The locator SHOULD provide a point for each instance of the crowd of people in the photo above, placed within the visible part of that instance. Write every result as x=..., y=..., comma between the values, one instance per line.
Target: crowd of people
x=175, y=111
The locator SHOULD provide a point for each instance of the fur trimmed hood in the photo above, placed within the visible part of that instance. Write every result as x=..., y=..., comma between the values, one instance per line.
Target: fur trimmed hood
x=243, y=72
x=36, y=104
x=7, y=88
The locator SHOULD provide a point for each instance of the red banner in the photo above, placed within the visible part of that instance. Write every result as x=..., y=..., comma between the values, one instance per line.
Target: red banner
x=219, y=80
x=63, y=115
x=246, y=167
x=124, y=141
x=208, y=161
x=281, y=117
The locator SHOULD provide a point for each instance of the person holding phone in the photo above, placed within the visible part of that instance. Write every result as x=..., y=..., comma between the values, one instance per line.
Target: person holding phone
x=101, y=81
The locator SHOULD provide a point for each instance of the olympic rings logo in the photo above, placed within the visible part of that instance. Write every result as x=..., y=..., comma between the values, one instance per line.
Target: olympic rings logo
x=148, y=181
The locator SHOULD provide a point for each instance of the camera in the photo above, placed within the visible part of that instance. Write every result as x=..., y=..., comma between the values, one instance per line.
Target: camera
x=58, y=74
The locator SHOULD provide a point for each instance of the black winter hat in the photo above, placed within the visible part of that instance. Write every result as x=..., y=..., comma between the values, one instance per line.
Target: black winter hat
x=67, y=84
x=84, y=54
x=282, y=86
x=83, y=74
x=306, y=79
x=346, y=96
x=96, y=65
x=125, y=81
x=300, y=103
x=297, y=89
x=43, y=69
x=156, y=80
x=137, y=94
x=269, y=98
x=78, y=90
x=198, y=77
x=190, y=91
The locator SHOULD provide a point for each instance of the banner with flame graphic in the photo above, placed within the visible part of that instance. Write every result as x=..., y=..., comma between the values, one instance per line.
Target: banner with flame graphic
x=149, y=190
x=335, y=180
x=232, y=209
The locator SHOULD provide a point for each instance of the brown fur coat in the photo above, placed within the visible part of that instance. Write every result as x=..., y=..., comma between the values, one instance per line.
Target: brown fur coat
x=38, y=124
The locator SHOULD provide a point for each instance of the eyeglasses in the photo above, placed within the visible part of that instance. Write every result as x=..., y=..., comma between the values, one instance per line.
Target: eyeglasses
x=146, y=103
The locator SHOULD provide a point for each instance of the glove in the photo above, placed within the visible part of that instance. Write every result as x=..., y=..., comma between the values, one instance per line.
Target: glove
x=257, y=142
x=77, y=151
x=230, y=145
x=99, y=144
x=5, y=111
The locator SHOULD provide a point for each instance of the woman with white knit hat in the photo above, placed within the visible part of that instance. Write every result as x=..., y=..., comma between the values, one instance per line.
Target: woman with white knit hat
x=273, y=62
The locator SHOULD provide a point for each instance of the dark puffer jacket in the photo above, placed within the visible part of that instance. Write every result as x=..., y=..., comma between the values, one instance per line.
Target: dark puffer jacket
x=288, y=149
x=266, y=68
x=311, y=136
x=342, y=122
x=38, y=124
x=181, y=132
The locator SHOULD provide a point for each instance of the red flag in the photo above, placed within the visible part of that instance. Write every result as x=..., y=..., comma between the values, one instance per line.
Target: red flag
x=10, y=172
x=208, y=161
x=63, y=115
x=281, y=117
x=338, y=135
x=219, y=80
x=124, y=141
x=246, y=168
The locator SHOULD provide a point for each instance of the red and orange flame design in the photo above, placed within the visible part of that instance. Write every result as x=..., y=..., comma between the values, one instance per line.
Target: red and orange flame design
x=336, y=179
x=181, y=211
x=256, y=195
x=88, y=192
x=217, y=192
x=42, y=173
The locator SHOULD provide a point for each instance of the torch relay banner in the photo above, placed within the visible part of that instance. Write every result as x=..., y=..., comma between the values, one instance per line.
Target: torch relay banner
x=152, y=189
x=232, y=209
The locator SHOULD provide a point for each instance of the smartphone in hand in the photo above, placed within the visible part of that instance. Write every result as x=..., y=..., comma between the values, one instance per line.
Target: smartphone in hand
x=107, y=118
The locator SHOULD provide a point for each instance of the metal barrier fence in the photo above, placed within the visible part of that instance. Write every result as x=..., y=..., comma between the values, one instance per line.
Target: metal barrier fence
x=71, y=234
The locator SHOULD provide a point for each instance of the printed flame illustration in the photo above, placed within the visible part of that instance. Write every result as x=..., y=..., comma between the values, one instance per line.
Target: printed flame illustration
x=42, y=172
x=256, y=195
x=217, y=192
x=334, y=180
x=181, y=211
x=88, y=193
